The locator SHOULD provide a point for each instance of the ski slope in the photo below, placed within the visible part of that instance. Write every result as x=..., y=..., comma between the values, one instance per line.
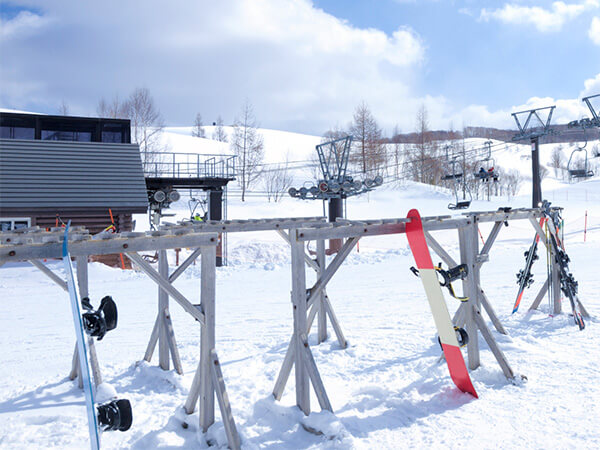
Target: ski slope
x=387, y=388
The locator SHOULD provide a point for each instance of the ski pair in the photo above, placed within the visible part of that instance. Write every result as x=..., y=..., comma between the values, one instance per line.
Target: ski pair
x=525, y=277
x=113, y=415
x=568, y=285
x=441, y=316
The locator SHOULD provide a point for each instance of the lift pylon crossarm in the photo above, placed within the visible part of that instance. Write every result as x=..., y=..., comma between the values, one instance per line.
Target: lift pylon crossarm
x=595, y=118
x=529, y=131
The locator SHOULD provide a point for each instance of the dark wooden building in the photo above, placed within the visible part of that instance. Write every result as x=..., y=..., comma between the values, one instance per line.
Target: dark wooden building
x=58, y=168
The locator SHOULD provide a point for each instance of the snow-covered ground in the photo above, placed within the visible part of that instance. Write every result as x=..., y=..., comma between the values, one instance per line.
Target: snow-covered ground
x=387, y=388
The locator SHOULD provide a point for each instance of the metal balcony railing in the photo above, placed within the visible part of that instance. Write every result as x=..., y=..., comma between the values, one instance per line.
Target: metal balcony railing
x=188, y=165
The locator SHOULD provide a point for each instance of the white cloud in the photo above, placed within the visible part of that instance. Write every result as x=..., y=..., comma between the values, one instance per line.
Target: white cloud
x=543, y=20
x=301, y=67
x=22, y=24
x=591, y=86
x=594, y=31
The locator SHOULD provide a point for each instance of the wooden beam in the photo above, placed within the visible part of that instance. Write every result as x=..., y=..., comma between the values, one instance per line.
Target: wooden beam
x=163, y=307
x=233, y=439
x=540, y=296
x=299, y=313
x=315, y=377
x=42, y=267
x=103, y=247
x=468, y=252
x=331, y=269
x=491, y=238
x=335, y=324
x=286, y=368
x=165, y=285
x=540, y=232
x=490, y=311
x=311, y=262
x=184, y=265
x=207, y=341
x=439, y=250
x=153, y=340
x=487, y=335
x=172, y=343
x=320, y=304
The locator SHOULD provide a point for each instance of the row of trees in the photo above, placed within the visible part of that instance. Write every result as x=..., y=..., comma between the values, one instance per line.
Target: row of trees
x=218, y=134
x=425, y=159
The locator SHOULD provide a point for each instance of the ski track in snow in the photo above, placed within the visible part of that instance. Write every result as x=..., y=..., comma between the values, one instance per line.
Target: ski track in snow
x=387, y=388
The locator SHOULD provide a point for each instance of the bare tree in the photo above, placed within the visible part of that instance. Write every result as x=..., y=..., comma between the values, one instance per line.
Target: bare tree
x=198, y=128
x=512, y=181
x=368, y=150
x=247, y=144
x=425, y=164
x=557, y=159
x=146, y=125
x=63, y=108
x=277, y=180
x=115, y=109
x=396, y=150
x=219, y=133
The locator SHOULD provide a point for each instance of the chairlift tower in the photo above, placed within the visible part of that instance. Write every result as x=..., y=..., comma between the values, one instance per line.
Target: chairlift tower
x=586, y=122
x=533, y=132
x=335, y=185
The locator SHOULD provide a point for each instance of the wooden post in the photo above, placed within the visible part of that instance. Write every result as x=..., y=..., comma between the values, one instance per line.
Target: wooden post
x=207, y=341
x=299, y=312
x=83, y=285
x=163, y=305
x=468, y=242
x=322, y=317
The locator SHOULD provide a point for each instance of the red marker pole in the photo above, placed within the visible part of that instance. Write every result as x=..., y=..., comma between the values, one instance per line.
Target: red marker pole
x=585, y=227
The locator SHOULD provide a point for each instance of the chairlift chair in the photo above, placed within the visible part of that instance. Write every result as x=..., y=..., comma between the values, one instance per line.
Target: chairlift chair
x=456, y=179
x=487, y=170
x=580, y=173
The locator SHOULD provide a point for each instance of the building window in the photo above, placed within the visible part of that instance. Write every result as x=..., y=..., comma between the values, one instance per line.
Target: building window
x=14, y=223
x=60, y=135
x=17, y=128
x=113, y=132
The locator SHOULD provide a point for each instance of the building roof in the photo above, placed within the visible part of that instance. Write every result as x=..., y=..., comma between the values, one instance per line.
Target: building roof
x=59, y=176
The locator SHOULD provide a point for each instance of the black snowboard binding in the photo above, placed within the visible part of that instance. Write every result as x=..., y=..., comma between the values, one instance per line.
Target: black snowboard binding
x=115, y=415
x=98, y=323
x=461, y=336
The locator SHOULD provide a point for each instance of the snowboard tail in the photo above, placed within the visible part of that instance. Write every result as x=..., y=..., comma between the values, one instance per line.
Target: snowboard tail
x=441, y=316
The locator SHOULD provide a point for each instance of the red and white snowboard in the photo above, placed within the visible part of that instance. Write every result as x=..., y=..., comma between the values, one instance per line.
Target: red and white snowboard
x=441, y=316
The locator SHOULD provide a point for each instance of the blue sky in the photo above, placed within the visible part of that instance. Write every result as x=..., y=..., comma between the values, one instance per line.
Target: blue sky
x=304, y=64
x=491, y=62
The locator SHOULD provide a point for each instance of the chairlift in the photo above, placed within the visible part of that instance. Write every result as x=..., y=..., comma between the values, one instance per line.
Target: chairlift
x=456, y=178
x=580, y=173
x=487, y=170
x=194, y=204
x=452, y=175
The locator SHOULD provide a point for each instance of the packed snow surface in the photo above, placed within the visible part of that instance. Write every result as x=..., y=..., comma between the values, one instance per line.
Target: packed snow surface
x=387, y=389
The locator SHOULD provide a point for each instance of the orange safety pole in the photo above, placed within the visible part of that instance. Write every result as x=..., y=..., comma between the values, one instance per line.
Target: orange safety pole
x=112, y=220
x=585, y=226
x=481, y=236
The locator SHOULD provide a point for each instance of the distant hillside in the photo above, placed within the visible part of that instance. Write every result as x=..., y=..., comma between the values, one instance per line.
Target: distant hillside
x=564, y=135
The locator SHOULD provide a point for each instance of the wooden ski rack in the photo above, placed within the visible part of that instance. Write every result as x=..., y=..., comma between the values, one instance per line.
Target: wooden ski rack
x=34, y=244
